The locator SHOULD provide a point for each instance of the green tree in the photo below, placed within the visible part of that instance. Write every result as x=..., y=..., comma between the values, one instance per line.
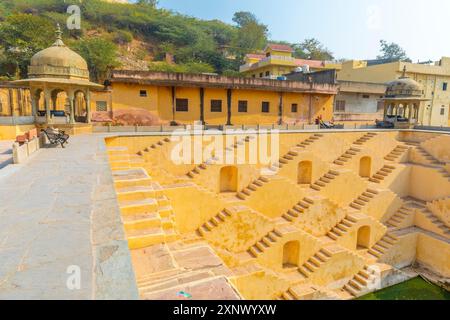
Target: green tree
x=392, y=51
x=21, y=36
x=312, y=49
x=251, y=34
x=100, y=54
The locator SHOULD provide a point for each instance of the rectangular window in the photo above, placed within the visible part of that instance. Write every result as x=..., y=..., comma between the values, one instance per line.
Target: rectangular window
x=101, y=106
x=340, y=105
x=444, y=86
x=294, y=108
x=242, y=106
x=182, y=105
x=143, y=93
x=265, y=107
x=366, y=96
x=216, y=105
x=267, y=73
x=442, y=111
x=261, y=75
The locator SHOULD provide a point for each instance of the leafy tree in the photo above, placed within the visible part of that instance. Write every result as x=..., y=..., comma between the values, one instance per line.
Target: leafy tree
x=22, y=35
x=312, y=49
x=151, y=3
x=251, y=34
x=392, y=51
x=100, y=54
x=242, y=18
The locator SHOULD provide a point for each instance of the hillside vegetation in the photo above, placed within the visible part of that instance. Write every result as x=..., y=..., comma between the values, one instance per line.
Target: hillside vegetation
x=137, y=36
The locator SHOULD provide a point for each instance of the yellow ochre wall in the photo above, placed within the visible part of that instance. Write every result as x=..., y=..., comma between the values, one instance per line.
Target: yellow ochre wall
x=159, y=102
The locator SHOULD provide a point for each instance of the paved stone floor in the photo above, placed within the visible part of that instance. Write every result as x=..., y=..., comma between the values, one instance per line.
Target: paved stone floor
x=60, y=210
x=5, y=153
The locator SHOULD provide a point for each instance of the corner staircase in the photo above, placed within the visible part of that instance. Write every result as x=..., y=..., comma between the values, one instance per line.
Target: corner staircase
x=310, y=140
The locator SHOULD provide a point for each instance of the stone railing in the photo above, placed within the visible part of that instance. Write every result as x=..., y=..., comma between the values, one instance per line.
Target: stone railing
x=22, y=152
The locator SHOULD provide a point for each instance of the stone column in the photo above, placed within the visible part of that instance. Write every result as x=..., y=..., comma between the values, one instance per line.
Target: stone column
x=202, y=106
x=71, y=97
x=88, y=106
x=280, y=110
x=33, y=105
x=229, y=96
x=47, y=100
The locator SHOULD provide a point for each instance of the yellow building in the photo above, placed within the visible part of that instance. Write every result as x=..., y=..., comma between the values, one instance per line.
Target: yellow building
x=277, y=60
x=434, y=80
x=161, y=98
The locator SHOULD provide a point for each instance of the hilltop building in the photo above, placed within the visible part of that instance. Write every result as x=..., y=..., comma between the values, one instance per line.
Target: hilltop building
x=278, y=60
x=433, y=79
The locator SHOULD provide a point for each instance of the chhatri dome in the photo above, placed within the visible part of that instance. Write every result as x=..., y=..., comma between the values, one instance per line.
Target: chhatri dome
x=55, y=70
x=403, y=87
x=58, y=61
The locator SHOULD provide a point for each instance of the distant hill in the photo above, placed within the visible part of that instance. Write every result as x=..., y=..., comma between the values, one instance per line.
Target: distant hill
x=144, y=36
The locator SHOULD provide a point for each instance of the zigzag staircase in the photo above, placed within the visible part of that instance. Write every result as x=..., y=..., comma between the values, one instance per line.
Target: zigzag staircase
x=314, y=263
x=396, y=153
x=265, y=242
x=294, y=153
x=292, y=214
x=365, y=138
x=380, y=248
x=399, y=217
x=324, y=180
x=363, y=199
x=198, y=169
x=342, y=227
x=343, y=159
x=360, y=281
x=154, y=146
x=382, y=173
x=214, y=222
x=252, y=187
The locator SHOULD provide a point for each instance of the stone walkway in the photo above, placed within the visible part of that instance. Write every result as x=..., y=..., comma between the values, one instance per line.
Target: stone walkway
x=5, y=153
x=59, y=214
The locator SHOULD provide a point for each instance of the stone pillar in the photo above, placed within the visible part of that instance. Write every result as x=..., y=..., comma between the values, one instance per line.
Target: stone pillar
x=33, y=105
x=88, y=106
x=202, y=106
x=47, y=99
x=229, y=97
x=71, y=97
x=174, y=99
x=280, y=110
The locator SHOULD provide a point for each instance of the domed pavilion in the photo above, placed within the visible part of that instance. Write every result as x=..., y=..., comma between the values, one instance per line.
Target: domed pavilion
x=57, y=71
x=402, y=101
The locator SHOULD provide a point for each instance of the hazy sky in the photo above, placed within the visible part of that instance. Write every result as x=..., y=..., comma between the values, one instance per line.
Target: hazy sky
x=349, y=28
